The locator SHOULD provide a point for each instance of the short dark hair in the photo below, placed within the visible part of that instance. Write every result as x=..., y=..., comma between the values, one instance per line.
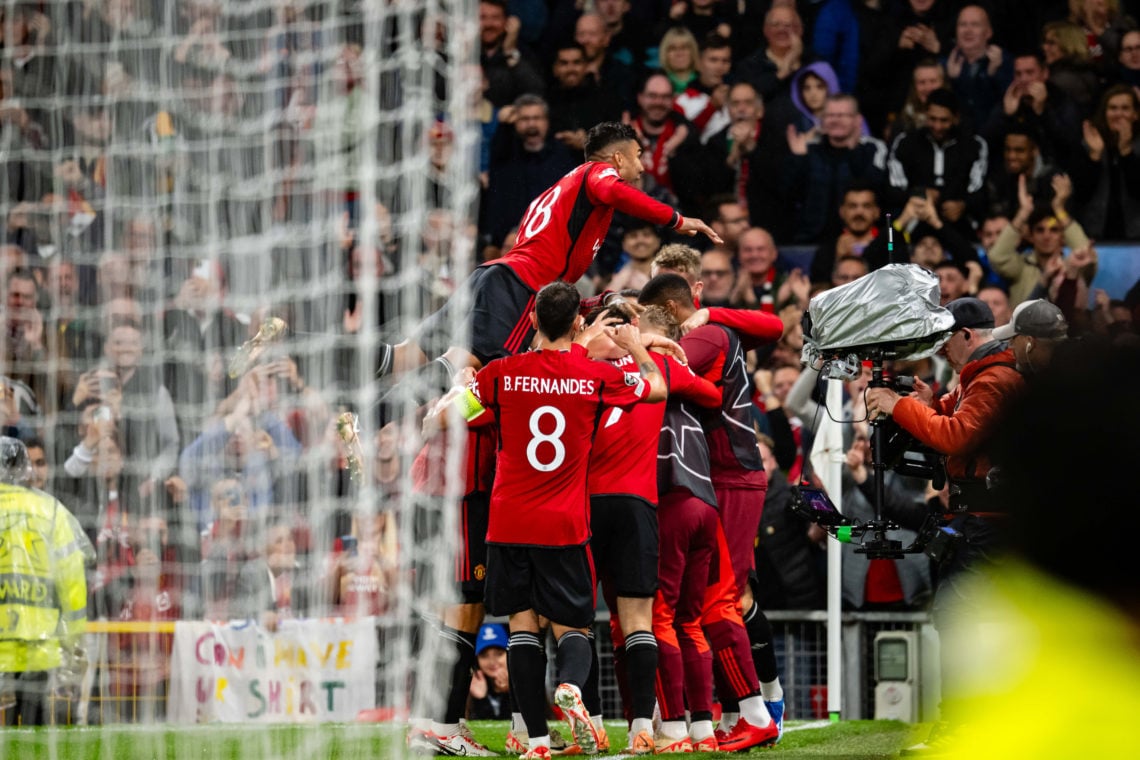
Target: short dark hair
x=946, y=98
x=1022, y=127
x=992, y=286
x=720, y=199
x=1036, y=54
x=570, y=45
x=714, y=41
x=860, y=186
x=606, y=134
x=666, y=287
x=952, y=264
x=556, y=308
x=1038, y=215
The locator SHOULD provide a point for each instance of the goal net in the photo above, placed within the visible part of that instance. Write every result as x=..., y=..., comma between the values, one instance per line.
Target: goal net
x=214, y=212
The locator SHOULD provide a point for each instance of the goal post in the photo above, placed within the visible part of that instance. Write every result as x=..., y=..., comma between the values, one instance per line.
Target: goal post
x=178, y=175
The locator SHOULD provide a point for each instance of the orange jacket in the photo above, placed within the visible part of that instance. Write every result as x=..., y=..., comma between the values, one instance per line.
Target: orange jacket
x=961, y=423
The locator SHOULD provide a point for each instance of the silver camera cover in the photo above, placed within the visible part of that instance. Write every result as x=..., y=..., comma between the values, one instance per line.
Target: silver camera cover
x=893, y=313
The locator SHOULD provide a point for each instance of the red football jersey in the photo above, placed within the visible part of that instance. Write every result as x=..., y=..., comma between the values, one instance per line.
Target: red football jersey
x=624, y=458
x=429, y=468
x=564, y=227
x=547, y=404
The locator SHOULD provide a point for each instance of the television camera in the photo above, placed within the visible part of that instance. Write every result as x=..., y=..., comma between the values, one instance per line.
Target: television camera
x=891, y=313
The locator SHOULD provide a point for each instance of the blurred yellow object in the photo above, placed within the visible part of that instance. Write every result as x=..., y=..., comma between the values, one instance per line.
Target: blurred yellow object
x=43, y=589
x=1041, y=669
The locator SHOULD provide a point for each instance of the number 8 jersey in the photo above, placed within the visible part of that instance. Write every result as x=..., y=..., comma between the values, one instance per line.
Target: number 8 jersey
x=564, y=227
x=547, y=405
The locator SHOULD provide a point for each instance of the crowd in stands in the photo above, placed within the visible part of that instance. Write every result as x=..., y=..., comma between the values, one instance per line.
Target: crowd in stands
x=996, y=136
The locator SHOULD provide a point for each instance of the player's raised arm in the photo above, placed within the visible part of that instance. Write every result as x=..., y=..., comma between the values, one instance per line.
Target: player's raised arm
x=616, y=144
x=628, y=338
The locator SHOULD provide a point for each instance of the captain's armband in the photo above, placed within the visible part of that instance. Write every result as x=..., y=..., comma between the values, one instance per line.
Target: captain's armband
x=469, y=405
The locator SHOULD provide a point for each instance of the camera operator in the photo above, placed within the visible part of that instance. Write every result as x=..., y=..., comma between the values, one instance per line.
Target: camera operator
x=961, y=425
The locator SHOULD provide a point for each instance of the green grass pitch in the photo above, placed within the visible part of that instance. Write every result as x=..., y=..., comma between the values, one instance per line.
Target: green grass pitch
x=846, y=739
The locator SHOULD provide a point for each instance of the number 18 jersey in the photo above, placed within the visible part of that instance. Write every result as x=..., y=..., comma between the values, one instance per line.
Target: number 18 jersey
x=547, y=404
x=564, y=227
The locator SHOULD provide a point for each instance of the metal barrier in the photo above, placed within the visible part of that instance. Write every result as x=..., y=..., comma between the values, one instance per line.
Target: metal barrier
x=800, y=639
x=130, y=666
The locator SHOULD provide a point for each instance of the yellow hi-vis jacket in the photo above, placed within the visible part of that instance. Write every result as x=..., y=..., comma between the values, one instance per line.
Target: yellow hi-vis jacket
x=43, y=591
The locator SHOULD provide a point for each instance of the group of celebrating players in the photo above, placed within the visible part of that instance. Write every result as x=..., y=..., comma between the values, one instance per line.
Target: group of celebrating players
x=620, y=449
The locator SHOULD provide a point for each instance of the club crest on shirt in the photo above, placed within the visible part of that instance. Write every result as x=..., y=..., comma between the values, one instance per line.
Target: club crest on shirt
x=480, y=572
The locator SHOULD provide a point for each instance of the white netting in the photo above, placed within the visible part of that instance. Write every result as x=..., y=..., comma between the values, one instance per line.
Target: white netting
x=174, y=175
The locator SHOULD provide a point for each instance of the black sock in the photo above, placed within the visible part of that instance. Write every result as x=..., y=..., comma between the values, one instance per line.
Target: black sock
x=641, y=664
x=527, y=665
x=760, y=636
x=462, y=646
x=592, y=690
x=573, y=658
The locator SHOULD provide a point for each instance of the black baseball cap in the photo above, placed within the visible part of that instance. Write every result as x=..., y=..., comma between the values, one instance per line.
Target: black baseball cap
x=971, y=312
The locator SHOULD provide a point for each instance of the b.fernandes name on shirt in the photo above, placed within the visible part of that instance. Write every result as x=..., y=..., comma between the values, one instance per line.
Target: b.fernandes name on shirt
x=564, y=386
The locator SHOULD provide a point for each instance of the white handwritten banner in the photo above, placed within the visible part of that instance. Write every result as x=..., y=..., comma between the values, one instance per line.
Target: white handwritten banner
x=308, y=671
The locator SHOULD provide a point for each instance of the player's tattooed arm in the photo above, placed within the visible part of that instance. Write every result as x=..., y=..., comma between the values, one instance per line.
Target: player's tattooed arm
x=629, y=338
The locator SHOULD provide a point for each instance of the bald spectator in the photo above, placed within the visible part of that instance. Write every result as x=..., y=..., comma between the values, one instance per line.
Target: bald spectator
x=979, y=70
x=591, y=32
x=758, y=280
x=819, y=170
x=770, y=68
